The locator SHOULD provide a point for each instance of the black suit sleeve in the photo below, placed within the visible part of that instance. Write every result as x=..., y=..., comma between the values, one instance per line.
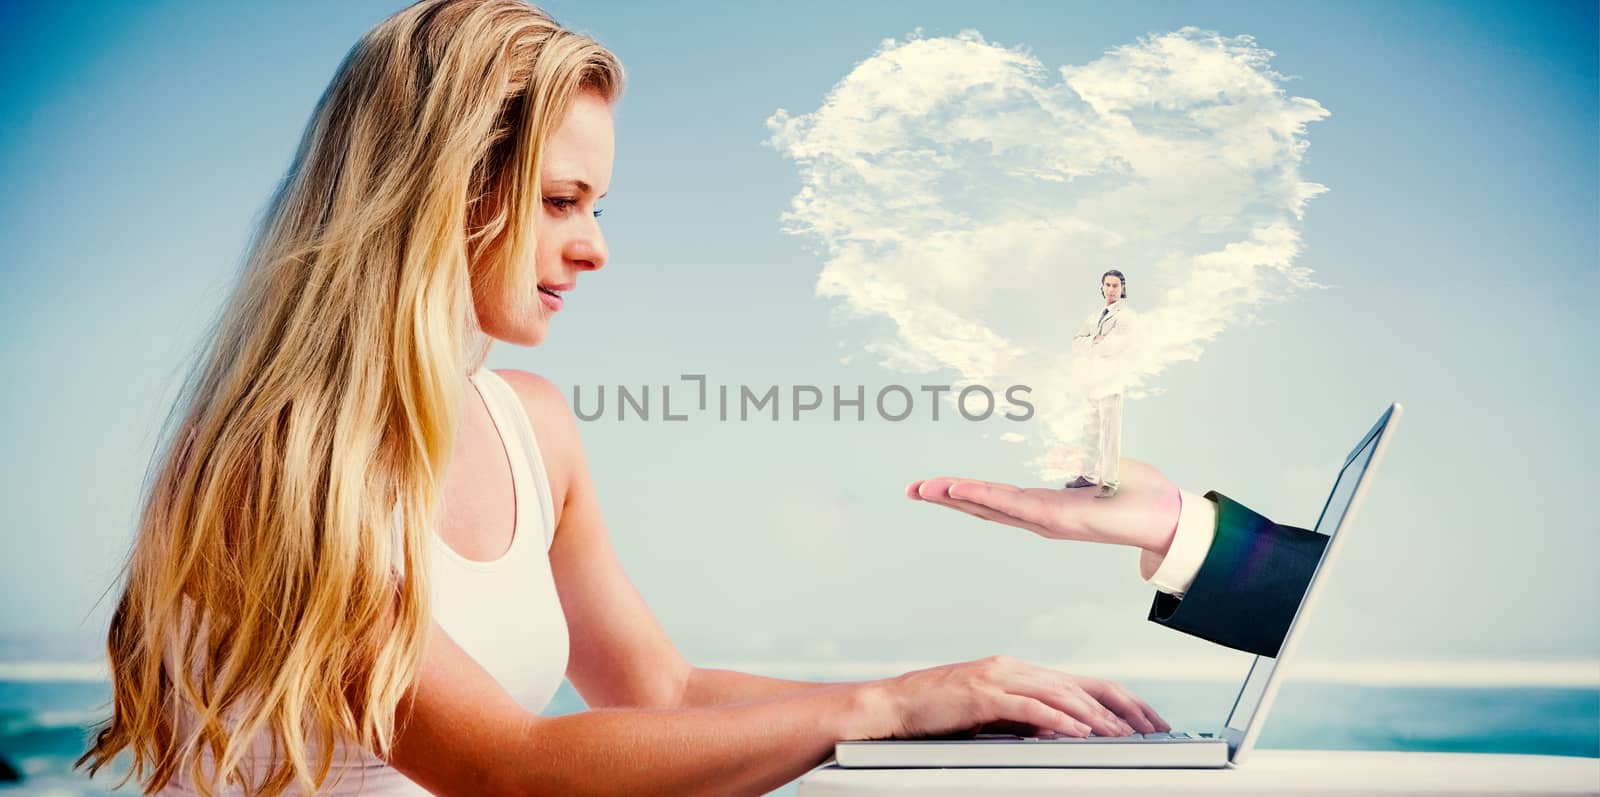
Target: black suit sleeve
x=1249, y=586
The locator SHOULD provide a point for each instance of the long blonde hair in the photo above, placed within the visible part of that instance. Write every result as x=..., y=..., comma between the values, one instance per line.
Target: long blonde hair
x=262, y=592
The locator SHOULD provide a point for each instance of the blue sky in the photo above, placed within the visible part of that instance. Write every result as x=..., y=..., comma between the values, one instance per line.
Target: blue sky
x=1457, y=245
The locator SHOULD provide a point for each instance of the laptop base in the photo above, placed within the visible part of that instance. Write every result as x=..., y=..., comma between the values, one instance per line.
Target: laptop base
x=1188, y=751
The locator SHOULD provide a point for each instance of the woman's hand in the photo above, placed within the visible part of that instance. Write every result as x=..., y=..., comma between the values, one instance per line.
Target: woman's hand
x=1000, y=691
x=1143, y=513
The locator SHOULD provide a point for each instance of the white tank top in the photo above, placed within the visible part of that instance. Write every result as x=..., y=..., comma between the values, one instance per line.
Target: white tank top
x=503, y=612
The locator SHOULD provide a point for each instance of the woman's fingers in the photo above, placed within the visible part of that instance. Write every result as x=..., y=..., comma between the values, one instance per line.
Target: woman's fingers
x=1160, y=724
x=1015, y=696
x=1126, y=706
x=1062, y=692
x=1021, y=708
x=1122, y=696
x=1109, y=708
x=1082, y=707
x=1117, y=724
x=1131, y=712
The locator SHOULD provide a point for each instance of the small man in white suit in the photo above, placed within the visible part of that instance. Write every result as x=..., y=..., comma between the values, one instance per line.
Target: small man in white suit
x=1104, y=334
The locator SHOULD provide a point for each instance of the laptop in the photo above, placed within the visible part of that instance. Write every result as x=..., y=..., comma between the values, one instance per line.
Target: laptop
x=1229, y=744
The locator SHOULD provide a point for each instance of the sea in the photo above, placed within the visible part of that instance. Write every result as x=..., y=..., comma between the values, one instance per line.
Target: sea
x=44, y=720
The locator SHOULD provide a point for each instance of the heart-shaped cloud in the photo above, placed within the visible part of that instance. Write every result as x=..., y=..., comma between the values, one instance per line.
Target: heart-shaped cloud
x=965, y=197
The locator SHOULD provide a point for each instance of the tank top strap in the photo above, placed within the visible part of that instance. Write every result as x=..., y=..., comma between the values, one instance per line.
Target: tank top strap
x=508, y=408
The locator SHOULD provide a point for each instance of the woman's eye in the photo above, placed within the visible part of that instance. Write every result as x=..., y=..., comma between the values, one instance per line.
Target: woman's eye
x=564, y=204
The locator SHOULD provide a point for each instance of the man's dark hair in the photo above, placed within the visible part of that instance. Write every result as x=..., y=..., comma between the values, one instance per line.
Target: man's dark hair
x=1120, y=278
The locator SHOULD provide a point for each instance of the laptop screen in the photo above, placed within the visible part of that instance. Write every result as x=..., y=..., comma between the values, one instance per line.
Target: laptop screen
x=1244, y=708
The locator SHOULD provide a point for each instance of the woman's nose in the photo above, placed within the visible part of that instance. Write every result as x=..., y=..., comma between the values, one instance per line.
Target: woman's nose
x=590, y=247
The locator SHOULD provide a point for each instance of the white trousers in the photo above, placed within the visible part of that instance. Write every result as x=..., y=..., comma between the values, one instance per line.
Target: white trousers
x=1102, y=433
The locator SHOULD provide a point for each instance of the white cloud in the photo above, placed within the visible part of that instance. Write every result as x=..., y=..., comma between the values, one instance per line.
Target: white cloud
x=965, y=194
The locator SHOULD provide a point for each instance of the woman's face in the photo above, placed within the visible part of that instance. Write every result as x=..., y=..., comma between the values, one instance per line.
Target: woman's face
x=575, y=174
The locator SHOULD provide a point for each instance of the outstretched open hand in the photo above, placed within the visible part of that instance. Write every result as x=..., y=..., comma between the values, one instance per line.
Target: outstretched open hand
x=1142, y=514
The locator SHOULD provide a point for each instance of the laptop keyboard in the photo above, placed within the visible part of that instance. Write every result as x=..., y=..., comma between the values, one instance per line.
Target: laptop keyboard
x=1167, y=736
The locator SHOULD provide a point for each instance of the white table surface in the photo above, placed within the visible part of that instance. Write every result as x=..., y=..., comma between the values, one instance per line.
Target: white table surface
x=1314, y=772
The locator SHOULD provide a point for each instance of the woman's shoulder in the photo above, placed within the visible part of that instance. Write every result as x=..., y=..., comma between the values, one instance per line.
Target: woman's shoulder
x=554, y=425
x=534, y=390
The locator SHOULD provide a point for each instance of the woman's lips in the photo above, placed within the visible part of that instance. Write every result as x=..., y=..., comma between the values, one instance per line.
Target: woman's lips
x=550, y=299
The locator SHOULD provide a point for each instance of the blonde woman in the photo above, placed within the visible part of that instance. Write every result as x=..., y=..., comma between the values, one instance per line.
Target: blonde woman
x=364, y=562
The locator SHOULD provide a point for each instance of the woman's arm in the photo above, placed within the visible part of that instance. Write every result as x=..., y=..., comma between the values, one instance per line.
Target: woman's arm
x=619, y=654
x=711, y=687
x=461, y=733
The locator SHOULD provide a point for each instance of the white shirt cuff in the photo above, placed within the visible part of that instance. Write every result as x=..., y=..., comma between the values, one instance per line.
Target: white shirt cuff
x=1197, y=527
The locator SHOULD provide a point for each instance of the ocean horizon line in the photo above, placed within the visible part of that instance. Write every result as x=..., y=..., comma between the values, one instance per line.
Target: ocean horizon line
x=1457, y=673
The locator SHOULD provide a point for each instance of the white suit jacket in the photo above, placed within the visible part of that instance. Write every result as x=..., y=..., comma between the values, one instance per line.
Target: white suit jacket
x=1112, y=326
